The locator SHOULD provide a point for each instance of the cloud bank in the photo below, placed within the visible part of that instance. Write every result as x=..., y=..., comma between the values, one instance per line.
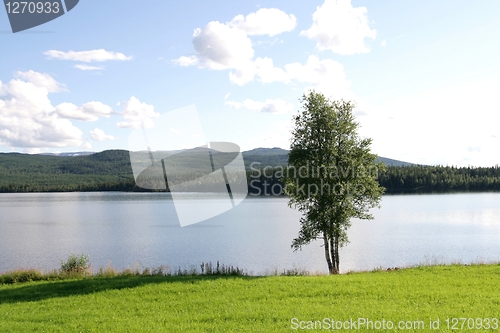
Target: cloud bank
x=269, y=105
x=87, y=56
x=27, y=117
x=341, y=28
x=227, y=46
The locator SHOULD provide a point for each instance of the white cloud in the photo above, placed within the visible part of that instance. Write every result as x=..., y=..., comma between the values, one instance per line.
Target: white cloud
x=87, y=145
x=90, y=111
x=341, y=28
x=269, y=105
x=32, y=151
x=326, y=76
x=98, y=134
x=27, y=118
x=243, y=74
x=87, y=56
x=71, y=111
x=267, y=73
x=137, y=114
x=88, y=68
x=227, y=46
x=187, y=61
x=222, y=46
x=266, y=21
x=219, y=46
x=40, y=80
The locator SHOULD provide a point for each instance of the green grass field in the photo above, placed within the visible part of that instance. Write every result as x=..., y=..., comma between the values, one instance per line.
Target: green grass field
x=258, y=304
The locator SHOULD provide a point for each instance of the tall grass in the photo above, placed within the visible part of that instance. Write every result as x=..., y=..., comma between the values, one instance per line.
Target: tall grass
x=79, y=267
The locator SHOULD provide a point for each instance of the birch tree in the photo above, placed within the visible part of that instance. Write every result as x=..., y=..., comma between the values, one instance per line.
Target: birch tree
x=331, y=176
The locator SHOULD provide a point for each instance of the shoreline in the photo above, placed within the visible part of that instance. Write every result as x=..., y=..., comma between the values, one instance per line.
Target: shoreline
x=35, y=275
x=256, y=196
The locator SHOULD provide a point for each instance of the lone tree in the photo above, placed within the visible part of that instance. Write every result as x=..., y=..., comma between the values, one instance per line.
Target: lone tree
x=332, y=175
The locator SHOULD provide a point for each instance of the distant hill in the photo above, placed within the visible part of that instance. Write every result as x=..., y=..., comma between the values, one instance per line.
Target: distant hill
x=266, y=151
x=278, y=156
x=266, y=157
x=78, y=153
x=110, y=170
x=107, y=170
x=391, y=162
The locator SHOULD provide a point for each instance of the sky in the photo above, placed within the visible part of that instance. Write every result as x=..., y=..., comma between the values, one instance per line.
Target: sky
x=425, y=75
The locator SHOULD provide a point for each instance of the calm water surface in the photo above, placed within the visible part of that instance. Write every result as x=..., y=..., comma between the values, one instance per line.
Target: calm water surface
x=128, y=229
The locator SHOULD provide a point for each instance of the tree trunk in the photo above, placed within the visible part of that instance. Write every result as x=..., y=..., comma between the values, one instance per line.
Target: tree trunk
x=332, y=253
x=327, y=253
x=337, y=256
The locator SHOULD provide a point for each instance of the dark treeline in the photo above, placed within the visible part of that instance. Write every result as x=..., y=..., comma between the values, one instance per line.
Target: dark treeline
x=80, y=185
x=106, y=171
x=403, y=180
x=428, y=179
x=111, y=171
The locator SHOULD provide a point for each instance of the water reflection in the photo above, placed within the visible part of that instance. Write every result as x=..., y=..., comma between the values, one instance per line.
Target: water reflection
x=38, y=230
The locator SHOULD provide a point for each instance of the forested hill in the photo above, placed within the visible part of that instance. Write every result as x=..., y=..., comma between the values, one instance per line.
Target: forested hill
x=111, y=171
x=108, y=170
x=279, y=157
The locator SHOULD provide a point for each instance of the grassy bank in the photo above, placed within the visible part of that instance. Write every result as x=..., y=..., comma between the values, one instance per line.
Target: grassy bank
x=252, y=304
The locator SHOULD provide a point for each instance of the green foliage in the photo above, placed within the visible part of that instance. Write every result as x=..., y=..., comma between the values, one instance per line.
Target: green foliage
x=333, y=174
x=20, y=276
x=106, y=171
x=263, y=157
x=111, y=171
x=76, y=264
x=400, y=179
x=220, y=269
x=250, y=304
x=428, y=179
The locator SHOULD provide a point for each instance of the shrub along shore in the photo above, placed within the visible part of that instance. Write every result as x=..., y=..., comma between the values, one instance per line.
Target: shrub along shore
x=79, y=267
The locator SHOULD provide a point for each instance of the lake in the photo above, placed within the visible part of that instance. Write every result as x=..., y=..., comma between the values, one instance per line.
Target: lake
x=37, y=230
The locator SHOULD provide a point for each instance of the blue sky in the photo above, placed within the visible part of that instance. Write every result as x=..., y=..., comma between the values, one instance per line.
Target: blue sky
x=425, y=74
